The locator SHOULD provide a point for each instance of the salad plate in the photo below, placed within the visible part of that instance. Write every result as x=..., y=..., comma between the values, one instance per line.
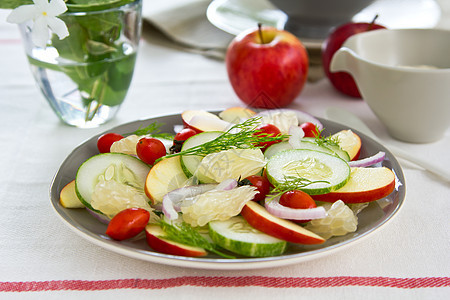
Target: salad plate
x=371, y=219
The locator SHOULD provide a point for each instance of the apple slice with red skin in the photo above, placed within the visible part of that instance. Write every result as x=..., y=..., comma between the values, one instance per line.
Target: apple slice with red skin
x=259, y=218
x=201, y=120
x=365, y=185
x=349, y=142
x=165, y=176
x=155, y=239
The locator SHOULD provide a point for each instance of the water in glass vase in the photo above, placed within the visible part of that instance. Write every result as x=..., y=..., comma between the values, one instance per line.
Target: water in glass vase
x=84, y=94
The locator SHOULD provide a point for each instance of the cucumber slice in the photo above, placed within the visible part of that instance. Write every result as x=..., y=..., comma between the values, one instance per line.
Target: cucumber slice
x=328, y=148
x=88, y=173
x=275, y=148
x=310, y=144
x=304, y=144
x=237, y=236
x=330, y=171
x=190, y=163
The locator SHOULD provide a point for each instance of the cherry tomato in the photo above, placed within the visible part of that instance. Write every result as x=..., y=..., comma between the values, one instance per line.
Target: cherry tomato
x=184, y=134
x=105, y=141
x=128, y=223
x=180, y=137
x=268, y=130
x=310, y=129
x=297, y=199
x=150, y=149
x=261, y=183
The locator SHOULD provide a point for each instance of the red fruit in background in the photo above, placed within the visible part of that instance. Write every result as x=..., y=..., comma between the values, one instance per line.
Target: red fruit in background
x=343, y=81
x=267, y=67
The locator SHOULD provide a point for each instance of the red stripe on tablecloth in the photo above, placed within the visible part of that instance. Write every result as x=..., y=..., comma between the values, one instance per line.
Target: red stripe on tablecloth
x=222, y=281
x=10, y=41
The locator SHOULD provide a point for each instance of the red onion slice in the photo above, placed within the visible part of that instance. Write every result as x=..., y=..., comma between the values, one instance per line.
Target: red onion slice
x=102, y=218
x=169, y=210
x=274, y=207
x=368, y=161
x=295, y=135
x=172, y=200
x=227, y=184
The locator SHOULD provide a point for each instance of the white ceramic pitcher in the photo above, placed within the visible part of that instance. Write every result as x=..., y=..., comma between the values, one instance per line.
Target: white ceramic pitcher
x=404, y=76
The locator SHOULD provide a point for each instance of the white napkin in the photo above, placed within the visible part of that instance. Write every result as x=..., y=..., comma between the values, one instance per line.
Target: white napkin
x=185, y=22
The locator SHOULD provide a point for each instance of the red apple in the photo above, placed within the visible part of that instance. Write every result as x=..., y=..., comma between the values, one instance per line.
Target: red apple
x=365, y=185
x=343, y=81
x=259, y=218
x=267, y=67
x=156, y=240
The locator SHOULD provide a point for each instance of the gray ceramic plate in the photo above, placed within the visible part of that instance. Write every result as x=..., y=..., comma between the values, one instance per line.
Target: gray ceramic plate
x=371, y=219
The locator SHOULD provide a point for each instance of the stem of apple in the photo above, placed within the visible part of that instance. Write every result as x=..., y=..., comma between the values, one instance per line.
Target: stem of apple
x=260, y=33
x=372, y=23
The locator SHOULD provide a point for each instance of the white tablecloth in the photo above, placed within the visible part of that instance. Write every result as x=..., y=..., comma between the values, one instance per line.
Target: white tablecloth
x=42, y=258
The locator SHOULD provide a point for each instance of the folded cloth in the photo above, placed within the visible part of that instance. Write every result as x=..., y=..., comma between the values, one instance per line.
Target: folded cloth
x=185, y=22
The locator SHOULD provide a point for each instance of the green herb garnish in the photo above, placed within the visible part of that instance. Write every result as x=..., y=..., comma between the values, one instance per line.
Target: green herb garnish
x=184, y=233
x=154, y=130
x=324, y=141
x=240, y=136
x=291, y=183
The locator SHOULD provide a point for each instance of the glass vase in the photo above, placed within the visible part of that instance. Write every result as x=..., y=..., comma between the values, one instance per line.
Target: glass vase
x=85, y=77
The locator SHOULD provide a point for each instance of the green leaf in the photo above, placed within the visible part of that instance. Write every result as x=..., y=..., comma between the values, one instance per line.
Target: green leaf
x=72, y=47
x=99, y=48
x=11, y=4
x=91, y=55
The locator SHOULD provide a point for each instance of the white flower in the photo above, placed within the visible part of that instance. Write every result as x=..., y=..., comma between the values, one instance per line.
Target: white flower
x=43, y=14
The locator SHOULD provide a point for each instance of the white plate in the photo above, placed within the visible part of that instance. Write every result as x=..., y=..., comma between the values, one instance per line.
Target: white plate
x=235, y=16
x=376, y=215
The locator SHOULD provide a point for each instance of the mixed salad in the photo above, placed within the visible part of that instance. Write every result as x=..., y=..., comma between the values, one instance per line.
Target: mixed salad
x=237, y=184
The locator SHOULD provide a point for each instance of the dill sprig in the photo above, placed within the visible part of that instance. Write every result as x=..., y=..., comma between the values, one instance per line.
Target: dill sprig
x=154, y=130
x=183, y=233
x=240, y=136
x=325, y=140
x=291, y=183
